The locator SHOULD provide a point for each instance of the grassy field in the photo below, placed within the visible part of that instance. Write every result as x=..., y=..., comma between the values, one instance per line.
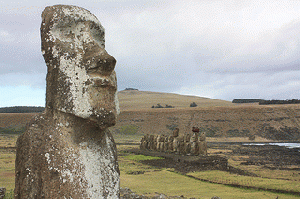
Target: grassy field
x=138, y=118
x=149, y=180
x=7, y=161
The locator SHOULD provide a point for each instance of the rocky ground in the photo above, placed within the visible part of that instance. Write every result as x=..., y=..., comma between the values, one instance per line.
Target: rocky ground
x=269, y=156
x=126, y=193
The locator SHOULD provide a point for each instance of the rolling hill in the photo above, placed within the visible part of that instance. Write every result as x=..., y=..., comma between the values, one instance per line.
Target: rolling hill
x=137, y=100
x=218, y=118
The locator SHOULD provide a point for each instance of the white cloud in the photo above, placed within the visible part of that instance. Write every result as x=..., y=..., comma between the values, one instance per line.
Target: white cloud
x=264, y=85
x=5, y=36
x=219, y=49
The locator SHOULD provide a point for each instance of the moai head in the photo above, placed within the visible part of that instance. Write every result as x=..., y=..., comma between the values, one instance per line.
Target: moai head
x=176, y=132
x=81, y=79
x=195, y=129
x=151, y=138
x=202, y=137
x=155, y=138
x=158, y=138
x=162, y=138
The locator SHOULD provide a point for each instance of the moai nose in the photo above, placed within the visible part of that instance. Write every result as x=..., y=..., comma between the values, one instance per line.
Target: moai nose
x=106, y=63
x=100, y=63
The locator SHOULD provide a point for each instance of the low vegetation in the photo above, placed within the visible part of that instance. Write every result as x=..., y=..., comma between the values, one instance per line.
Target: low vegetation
x=148, y=180
x=160, y=106
x=193, y=104
x=222, y=177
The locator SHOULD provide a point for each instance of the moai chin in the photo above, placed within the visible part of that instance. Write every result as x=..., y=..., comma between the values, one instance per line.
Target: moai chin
x=68, y=151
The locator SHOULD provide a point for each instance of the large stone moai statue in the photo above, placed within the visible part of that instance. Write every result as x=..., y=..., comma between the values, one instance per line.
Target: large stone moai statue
x=68, y=151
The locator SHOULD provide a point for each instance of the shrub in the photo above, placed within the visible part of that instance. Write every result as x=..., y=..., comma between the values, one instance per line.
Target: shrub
x=193, y=104
x=160, y=106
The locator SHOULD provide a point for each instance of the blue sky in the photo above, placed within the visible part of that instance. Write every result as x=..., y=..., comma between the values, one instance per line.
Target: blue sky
x=215, y=49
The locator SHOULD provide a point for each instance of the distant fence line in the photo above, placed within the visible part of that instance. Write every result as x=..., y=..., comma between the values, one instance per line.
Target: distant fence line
x=267, y=102
x=22, y=109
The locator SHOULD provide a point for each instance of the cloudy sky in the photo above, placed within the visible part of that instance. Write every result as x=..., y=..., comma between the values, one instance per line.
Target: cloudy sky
x=215, y=49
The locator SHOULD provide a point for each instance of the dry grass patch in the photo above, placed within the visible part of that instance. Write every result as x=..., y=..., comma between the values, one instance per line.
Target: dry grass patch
x=15, y=119
x=7, y=161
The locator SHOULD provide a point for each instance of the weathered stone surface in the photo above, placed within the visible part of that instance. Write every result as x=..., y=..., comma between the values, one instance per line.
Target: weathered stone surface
x=2, y=192
x=68, y=151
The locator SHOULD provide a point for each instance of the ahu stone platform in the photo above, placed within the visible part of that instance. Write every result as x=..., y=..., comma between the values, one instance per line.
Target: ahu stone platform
x=201, y=162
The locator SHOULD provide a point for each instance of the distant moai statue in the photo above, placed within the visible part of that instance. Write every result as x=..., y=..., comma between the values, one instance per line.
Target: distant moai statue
x=176, y=132
x=161, y=143
x=155, y=143
x=151, y=142
x=202, y=144
x=158, y=142
x=170, y=143
x=142, y=144
x=68, y=151
x=145, y=142
x=181, y=145
x=186, y=144
x=175, y=140
x=166, y=144
x=194, y=141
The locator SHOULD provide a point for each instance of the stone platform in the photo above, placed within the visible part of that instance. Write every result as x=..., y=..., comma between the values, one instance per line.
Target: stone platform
x=204, y=162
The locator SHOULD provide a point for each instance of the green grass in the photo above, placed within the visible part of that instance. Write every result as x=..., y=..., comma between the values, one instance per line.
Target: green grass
x=7, y=169
x=147, y=180
x=142, y=157
x=9, y=194
x=223, y=177
x=128, y=130
x=173, y=184
x=7, y=161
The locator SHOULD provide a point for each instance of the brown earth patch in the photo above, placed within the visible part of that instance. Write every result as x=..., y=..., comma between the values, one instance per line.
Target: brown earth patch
x=8, y=174
x=15, y=119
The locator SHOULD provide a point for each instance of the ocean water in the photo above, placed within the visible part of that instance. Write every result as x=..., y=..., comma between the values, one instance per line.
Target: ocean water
x=287, y=145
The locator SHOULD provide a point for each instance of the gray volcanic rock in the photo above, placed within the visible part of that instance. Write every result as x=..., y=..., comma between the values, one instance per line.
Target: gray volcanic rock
x=68, y=151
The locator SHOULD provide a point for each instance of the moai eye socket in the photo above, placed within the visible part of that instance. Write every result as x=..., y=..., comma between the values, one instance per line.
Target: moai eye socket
x=97, y=33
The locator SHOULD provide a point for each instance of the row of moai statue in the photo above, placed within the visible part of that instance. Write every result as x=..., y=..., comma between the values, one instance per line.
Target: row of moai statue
x=187, y=144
